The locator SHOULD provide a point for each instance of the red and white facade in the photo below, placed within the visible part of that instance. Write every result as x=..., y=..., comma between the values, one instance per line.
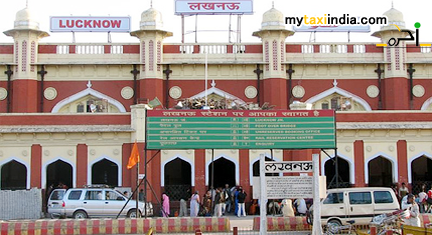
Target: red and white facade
x=80, y=105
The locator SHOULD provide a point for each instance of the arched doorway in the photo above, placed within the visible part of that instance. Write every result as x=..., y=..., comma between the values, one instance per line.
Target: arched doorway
x=420, y=175
x=256, y=168
x=343, y=172
x=380, y=172
x=224, y=173
x=13, y=176
x=59, y=172
x=105, y=172
x=178, y=179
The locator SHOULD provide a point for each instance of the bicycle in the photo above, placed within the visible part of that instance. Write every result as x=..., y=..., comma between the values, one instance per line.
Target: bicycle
x=389, y=222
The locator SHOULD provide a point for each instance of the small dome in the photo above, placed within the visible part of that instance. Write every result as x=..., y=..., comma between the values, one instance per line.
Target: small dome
x=273, y=19
x=151, y=19
x=394, y=17
x=24, y=20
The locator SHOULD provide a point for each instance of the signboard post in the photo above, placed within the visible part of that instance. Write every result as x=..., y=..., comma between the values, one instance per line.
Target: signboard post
x=263, y=198
x=316, y=228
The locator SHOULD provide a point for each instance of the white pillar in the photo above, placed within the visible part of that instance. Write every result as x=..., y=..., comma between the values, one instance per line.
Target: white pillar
x=316, y=228
x=263, y=197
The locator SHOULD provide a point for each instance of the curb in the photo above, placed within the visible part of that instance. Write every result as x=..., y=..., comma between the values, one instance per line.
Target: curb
x=113, y=226
x=297, y=223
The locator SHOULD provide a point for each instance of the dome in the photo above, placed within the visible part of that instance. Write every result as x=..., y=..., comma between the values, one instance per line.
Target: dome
x=24, y=20
x=151, y=19
x=394, y=17
x=273, y=19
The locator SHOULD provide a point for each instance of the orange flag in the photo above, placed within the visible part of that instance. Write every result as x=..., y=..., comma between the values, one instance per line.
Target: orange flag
x=134, y=157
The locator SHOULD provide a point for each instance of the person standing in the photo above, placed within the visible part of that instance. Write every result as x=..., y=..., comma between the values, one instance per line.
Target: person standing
x=403, y=191
x=287, y=208
x=241, y=197
x=141, y=195
x=414, y=212
x=300, y=205
x=165, y=205
x=207, y=203
x=236, y=192
x=217, y=202
x=228, y=200
x=194, y=204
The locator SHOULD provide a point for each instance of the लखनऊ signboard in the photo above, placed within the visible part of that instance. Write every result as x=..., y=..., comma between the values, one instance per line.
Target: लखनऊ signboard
x=90, y=24
x=213, y=7
x=240, y=129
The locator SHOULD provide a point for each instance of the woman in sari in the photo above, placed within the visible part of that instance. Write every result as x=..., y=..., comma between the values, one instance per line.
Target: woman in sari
x=194, y=204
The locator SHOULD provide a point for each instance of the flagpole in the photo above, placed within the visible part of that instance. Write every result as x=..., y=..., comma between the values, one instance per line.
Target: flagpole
x=137, y=189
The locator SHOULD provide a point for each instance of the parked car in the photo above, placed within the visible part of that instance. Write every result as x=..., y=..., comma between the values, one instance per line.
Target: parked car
x=92, y=202
x=359, y=204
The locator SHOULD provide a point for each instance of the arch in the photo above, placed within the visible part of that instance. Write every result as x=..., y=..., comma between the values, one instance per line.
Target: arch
x=266, y=155
x=392, y=161
x=46, y=164
x=236, y=164
x=90, y=166
x=350, y=162
x=341, y=92
x=178, y=179
x=182, y=158
x=218, y=92
x=27, y=166
x=426, y=104
x=411, y=161
x=83, y=93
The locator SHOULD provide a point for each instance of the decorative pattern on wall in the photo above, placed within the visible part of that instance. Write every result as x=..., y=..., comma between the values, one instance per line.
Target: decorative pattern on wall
x=267, y=59
x=159, y=56
x=275, y=56
x=143, y=55
x=32, y=55
x=24, y=57
x=151, y=55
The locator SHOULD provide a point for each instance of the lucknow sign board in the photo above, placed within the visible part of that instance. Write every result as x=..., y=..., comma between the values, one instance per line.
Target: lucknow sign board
x=288, y=167
x=90, y=24
x=242, y=129
x=213, y=7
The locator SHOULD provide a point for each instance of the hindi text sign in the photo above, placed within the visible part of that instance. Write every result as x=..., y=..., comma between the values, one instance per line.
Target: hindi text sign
x=288, y=167
x=243, y=129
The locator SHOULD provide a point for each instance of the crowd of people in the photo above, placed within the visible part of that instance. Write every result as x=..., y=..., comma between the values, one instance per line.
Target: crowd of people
x=414, y=203
x=215, y=202
x=231, y=201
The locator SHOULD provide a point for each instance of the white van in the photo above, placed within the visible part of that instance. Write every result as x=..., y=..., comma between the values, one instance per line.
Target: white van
x=359, y=204
x=92, y=202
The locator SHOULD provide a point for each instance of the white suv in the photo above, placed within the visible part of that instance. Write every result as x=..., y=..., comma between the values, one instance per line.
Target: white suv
x=92, y=202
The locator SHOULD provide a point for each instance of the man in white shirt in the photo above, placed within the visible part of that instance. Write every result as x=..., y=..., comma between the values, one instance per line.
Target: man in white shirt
x=414, y=212
x=300, y=205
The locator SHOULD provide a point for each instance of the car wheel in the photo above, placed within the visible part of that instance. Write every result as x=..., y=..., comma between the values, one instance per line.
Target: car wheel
x=80, y=215
x=333, y=226
x=132, y=213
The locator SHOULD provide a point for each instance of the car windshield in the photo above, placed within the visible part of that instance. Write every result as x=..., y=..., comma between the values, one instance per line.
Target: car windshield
x=57, y=195
x=114, y=195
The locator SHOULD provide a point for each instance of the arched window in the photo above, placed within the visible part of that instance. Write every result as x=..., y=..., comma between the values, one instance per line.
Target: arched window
x=13, y=176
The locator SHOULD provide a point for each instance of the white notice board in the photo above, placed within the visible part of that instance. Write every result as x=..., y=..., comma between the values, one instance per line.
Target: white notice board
x=280, y=187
